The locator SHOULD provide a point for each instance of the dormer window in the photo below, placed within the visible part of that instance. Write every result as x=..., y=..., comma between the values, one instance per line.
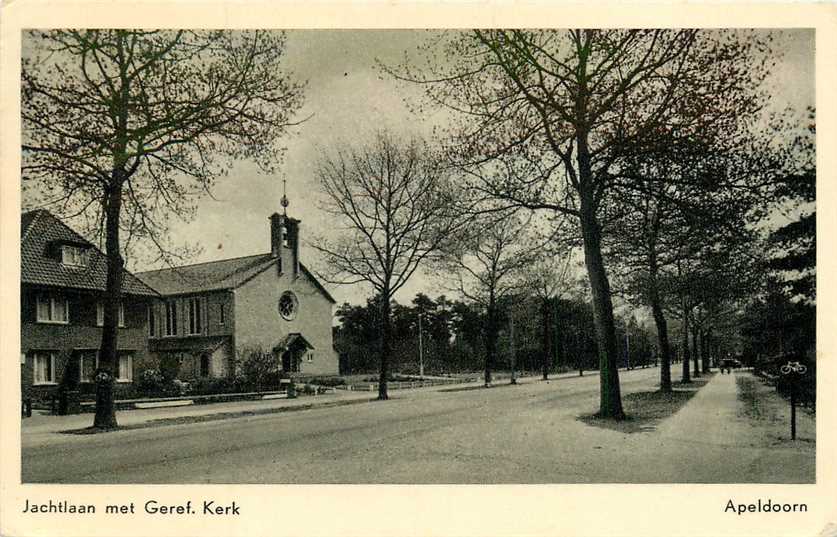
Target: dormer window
x=72, y=256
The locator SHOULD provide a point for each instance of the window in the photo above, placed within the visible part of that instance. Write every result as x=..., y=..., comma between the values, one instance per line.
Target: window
x=44, y=365
x=171, y=318
x=125, y=368
x=222, y=318
x=72, y=256
x=195, y=305
x=88, y=361
x=152, y=321
x=51, y=309
x=309, y=356
x=288, y=306
x=100, y=314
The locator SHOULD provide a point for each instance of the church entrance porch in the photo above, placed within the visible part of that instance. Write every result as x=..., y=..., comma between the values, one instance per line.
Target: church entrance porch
x=291, y=350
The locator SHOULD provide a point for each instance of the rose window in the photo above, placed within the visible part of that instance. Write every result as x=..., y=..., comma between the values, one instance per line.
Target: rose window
x=288, y=306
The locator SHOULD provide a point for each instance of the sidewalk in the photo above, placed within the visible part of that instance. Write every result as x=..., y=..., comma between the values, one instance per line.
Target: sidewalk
x=47, y=423
x=39, y=424
x=736, y=440
x=38, y=428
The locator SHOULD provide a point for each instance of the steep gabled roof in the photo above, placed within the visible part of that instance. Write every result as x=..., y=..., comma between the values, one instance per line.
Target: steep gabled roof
x=211, y=276
x=39, y=231
x=317, y=283
x=294, y=338
x=215, y=275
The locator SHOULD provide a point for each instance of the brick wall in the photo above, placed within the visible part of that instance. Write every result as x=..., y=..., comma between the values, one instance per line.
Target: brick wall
x=80, y=333
x=217, y=329
x=213, y=302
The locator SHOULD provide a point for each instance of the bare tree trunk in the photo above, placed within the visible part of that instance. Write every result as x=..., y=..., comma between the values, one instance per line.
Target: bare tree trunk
x=610, y=399
x=386, y=346
x=105, y=417
x=490, y=338
x=706, y=345
x=685, y=342
x=657, y=310
x=547, y=338
x=695, y=353
x=665, y=348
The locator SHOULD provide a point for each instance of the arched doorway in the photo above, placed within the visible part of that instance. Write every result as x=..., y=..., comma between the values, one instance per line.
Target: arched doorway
x=290, y=351
x=204, y=365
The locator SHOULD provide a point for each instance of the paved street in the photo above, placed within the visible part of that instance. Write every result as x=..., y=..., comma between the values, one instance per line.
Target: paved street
x=523, y=434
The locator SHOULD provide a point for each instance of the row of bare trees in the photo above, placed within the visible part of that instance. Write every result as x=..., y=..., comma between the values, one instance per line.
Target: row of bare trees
x=652, y=145
x=646, y=149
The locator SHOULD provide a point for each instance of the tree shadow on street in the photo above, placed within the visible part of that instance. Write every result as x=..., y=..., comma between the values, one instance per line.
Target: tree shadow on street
x=645, y=410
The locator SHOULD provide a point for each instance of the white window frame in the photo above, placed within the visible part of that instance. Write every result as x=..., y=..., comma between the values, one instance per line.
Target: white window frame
x=129, y=358
x=81, y=358
x=170, y=318
x=100, y=314
x=72, y=256
x=194, y=312
x=42, y=298
x=49, y=355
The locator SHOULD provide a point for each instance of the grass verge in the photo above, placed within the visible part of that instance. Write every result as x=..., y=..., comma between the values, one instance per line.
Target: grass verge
x=644, y=410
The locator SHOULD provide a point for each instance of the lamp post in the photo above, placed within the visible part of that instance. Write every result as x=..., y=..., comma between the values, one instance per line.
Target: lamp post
x=793, y=371
x=628, y=347
x=511, y=344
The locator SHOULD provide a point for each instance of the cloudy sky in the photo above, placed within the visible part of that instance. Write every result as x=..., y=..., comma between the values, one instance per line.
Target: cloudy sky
x=348, y=99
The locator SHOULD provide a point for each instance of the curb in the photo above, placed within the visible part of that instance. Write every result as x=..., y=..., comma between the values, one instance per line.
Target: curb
x=181, y=420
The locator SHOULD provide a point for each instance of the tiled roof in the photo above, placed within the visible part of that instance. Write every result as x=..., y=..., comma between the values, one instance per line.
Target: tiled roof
x=211, y=276
x=291, y=339
x=214, y=275
x=40, y=229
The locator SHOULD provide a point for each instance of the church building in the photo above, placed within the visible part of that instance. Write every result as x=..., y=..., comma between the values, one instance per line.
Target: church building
x=215, y=313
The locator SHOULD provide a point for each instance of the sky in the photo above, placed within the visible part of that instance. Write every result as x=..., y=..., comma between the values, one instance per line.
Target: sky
x=348, y=99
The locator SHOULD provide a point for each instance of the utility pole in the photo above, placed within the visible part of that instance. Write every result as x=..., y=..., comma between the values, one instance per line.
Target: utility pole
x=628, y=347
x=511, y=338
x=421, y=348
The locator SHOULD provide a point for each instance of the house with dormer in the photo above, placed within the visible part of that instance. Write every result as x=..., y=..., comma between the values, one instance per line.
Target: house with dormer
x=214, y=313
x=62, y=291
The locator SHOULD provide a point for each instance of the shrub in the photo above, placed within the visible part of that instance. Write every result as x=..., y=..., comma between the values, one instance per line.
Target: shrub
x=212, y=386
x=259, y=369
x=169, y=367
x=150, y=382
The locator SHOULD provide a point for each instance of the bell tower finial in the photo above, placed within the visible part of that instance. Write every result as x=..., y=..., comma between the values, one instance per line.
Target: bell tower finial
x=285, y=201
